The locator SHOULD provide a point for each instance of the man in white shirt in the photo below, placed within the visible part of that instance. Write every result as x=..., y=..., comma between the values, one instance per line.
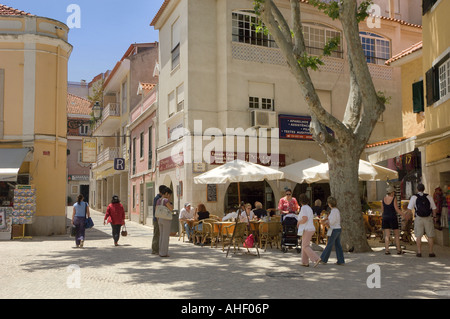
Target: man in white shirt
x=186, y=216
x=423, y=224
x=229, y=216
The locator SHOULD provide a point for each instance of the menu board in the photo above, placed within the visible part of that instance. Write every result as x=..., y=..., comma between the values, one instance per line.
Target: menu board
x=211, y=193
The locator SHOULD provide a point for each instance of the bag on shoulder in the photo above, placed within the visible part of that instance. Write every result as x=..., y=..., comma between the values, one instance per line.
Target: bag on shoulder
x=423, y=206
x=163, y=212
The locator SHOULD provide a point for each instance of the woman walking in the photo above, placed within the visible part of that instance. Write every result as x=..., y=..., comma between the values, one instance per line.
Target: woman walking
x=79, y=215
x=164, y=225
x=306, y=230
x=334, y=222
x=115, y=214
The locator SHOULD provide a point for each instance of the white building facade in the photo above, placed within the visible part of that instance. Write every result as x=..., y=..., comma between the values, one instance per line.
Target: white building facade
x=226, y=90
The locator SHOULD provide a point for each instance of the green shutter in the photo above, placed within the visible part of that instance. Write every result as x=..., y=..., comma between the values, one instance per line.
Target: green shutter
x=418, y=103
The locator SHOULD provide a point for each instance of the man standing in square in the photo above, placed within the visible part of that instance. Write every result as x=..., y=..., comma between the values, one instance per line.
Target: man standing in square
x=425, y=212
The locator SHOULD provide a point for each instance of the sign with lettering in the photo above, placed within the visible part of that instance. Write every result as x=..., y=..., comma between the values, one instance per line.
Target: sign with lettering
x=89, y=150
x=279, y=160
x=294, y=127
x=119, y=164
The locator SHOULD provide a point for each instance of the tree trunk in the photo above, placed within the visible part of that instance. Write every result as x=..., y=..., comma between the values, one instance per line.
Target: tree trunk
x=344, y=185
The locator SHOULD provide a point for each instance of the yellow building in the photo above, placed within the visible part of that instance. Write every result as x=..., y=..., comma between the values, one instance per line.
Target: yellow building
x=436, y=73
x=34, y=54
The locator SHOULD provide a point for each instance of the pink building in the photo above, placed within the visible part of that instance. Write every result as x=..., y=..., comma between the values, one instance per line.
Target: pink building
x=142, y=130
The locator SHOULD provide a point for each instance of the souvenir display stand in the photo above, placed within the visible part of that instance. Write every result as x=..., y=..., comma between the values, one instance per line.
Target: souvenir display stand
x=24, y=208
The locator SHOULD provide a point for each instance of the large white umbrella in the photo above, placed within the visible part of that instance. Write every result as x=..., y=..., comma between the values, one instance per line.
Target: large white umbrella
x=238, y=171
x=366, y=172
x=294, y=172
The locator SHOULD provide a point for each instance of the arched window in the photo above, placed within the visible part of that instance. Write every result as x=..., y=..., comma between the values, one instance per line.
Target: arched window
x=244, y=29
x=317, y=35
x=376, y=48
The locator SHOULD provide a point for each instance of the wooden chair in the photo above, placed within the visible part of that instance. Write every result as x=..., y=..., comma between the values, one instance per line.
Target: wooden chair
x=316, y=235
x=235, y=235
x=205, y=232
x=269, y=233
x=181, y=230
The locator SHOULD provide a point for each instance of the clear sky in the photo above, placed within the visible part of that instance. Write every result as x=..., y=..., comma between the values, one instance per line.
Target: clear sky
x=108, y=28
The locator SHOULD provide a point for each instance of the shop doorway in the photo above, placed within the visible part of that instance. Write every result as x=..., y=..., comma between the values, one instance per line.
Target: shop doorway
x=251, y=192
x=84, y=190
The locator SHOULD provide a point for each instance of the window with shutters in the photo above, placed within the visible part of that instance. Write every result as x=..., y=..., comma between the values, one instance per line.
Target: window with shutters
x=444, y=79
x=438, y=81
x=175, y=44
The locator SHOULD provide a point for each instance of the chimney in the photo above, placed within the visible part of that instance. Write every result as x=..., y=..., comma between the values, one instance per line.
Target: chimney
x=392, y=9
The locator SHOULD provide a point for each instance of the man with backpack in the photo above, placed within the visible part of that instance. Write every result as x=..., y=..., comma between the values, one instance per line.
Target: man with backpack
x=425, y=212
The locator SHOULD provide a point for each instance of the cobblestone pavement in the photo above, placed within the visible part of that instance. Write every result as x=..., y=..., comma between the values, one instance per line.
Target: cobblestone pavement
x=51, y=267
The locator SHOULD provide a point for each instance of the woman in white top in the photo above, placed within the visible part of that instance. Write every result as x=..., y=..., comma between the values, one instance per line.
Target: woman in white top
x=247, y=215
x=334, y=222
x=306, y=229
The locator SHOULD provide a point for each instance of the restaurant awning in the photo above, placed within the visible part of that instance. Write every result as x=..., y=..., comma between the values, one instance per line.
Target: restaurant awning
x=10, y=161
x=384, y=152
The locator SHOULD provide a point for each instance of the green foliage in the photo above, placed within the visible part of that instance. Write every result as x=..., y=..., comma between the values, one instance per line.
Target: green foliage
x=331, y=8
x=383, y=98
x=310, y=61
x=331, y=45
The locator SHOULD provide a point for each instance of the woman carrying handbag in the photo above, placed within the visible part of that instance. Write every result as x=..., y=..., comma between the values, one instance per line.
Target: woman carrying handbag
x=79, y=215
x=164, y=222
x=115, y=214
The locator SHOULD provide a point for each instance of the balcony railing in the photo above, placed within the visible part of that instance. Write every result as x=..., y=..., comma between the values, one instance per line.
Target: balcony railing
x=108, y=154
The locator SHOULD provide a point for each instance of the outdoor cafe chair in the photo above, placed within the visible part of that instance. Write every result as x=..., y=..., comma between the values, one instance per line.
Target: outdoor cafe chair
x=235, y=235
x=269, y=233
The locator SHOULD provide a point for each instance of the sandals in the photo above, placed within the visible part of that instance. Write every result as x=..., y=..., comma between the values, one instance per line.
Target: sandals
x=387, y=252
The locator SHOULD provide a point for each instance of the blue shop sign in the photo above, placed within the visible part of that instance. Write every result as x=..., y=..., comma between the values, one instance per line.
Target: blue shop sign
x=294, y=127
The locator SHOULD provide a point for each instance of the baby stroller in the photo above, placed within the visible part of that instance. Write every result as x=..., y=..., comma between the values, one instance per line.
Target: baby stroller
x=289, y=237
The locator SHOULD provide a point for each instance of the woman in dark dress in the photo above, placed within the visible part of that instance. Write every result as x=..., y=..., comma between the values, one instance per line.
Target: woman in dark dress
x=390, y=220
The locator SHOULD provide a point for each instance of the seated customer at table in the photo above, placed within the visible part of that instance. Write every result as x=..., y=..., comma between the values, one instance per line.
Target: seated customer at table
x=247, y=215
x=259, y=211
x=230, y=215
x=186, y=216
x=200, y=214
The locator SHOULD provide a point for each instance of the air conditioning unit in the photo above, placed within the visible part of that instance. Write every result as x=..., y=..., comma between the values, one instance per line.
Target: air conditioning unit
x=261, y=118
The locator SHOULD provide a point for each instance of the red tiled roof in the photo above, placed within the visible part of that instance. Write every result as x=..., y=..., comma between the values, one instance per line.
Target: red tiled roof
x=385, y=142
x=78, y=105
x=8, y=11
x=408, y=51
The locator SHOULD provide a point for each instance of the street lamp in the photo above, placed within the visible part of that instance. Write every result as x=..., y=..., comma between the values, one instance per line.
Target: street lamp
x=97, y=113
x=97, y=110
